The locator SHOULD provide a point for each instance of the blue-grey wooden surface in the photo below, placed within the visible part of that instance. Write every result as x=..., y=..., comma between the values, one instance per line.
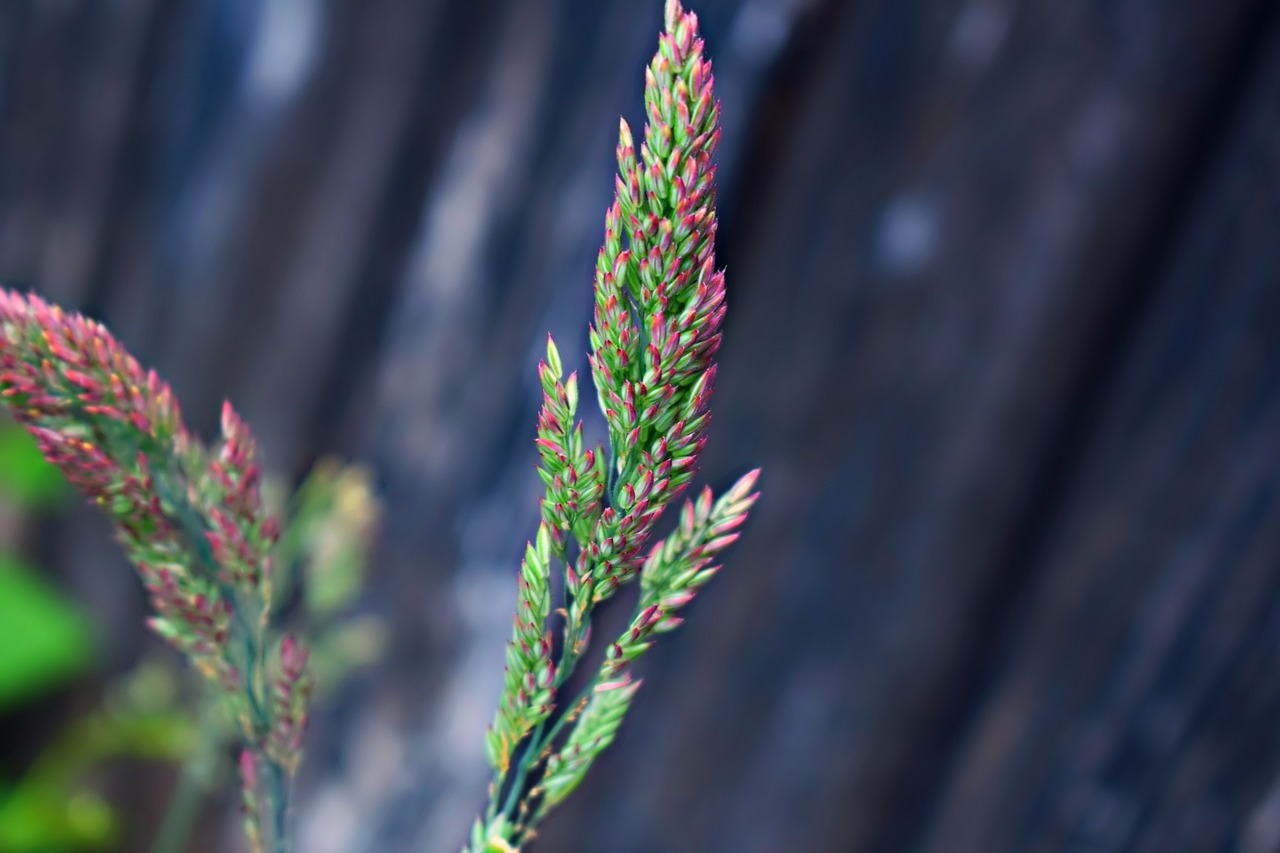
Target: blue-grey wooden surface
x=1004, y=289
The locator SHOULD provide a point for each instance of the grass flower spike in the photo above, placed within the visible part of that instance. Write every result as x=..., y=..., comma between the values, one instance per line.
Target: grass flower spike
x=190, y=519
x=659, y=305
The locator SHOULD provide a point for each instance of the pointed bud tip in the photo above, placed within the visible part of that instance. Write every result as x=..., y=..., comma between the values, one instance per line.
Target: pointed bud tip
x=674, y=12
x=248, y=769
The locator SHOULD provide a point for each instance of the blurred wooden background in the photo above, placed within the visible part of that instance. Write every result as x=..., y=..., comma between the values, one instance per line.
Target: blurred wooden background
x=1004, y=334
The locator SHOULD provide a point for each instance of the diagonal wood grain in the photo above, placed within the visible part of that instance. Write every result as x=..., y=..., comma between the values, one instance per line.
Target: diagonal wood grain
x=1001, y=276
x=1131, y=691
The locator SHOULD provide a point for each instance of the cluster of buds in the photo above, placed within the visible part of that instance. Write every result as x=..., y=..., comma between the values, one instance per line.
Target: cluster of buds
x=679, y=566
x=249, y=804
x=659, y=307
x=94, y=413
x=240, y=534
x=673, y=573
x=529, y=683
x=659, y=301
x=189, y=518
x=574, y=476
x=291, y=689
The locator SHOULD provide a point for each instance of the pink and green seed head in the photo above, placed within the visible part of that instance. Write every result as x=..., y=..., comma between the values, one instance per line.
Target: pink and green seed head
x=659, y=296
x=116, y=432
x=67, y=374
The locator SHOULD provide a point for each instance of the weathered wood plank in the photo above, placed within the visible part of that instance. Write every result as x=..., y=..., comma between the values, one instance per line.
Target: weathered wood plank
x=1138, y=686
x=937, y=218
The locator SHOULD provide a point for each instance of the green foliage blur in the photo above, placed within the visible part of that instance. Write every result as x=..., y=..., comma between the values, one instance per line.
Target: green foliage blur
x=45, y=639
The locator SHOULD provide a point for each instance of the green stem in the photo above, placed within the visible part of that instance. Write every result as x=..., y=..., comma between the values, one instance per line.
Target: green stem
x=538, y=742
x=184, y=806
x=530, y=759
x=537, y=746
x=181, y=815
x=564, y=718
x=527, y=760
x=277, y=783
x=274, y=783
x=273, y=788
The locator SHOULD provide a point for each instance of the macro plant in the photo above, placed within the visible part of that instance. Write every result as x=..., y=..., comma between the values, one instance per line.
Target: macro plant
x=659, y=305
x=193, y=521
